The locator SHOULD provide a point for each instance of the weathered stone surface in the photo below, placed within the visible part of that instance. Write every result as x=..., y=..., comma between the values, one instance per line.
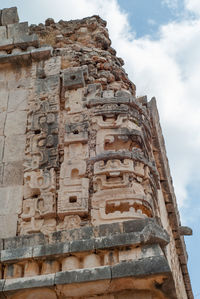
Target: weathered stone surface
x=18, y=30
x=19, y=253
x=29, y=282
x=9, y=16
x=3, y=33
x=83, y=275
x=13, y=173
x=2, y=139
x=11, y=200
x=18, y=99
x=15, y=123
x=185, y=231
x=14, y=148
x=8, y=225
x=85, y=186
x=2, y=122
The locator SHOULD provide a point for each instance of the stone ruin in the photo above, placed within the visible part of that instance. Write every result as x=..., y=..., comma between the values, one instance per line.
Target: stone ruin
x=87, y=205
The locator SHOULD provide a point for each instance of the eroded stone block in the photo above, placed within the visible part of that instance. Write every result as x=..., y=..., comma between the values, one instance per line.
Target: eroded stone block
x=74, y=101
x=3, y=33
x=74, y=77
x=17, y=30
x=9, y=16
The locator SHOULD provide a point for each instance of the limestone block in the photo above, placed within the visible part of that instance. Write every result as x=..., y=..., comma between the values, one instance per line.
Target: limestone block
x=13, y=271
x=2, y=140
x=31, y=269
x=70, y=263
x=50, y=266
x=3, y=99
x=2, y=122
x=18, y=99
x=91, y=261
x=11, y=200
x=6, y=44
x=74, y=150
x=3, y=33
x=14, y=81
x=48, y=85
x=26, y=40
x=1, y=173
x=9, y=16
x=52, y=66
x=8, y=225
x=77, y=135
x=15, y=123
x=73, y=78
x=74, y=101
x=110, y=258
x=17, y=30
x=13, y=173
x=39, y=293
x=69, y=222
x=108, y=94
x=73, y=197
x=14, y=148
x=130, y=254
x=72, y=169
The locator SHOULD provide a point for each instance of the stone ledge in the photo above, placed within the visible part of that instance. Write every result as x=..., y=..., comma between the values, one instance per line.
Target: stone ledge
x=140, y=268
x=150, y=234
x=21, y=41
x=27, y=57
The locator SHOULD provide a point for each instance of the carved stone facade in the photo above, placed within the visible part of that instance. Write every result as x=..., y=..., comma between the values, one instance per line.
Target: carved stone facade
x=87, y=203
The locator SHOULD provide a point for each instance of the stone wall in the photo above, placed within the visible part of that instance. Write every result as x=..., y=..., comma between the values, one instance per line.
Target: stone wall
x=81, y=154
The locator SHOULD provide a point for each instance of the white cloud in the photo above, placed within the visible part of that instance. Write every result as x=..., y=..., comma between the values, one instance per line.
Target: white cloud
x=168, y=68
x=193, y=6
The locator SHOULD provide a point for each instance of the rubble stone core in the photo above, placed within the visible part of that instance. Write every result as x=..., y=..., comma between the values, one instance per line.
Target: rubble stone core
x=88, y=208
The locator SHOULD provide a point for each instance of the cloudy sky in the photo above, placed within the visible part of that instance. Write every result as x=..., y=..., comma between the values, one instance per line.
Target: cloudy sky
x=159, y=41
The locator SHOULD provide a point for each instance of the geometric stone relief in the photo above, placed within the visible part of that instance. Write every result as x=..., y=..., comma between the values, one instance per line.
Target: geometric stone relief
x=119, y=140
x=122, y=190
x=122, y=203
x=74, y=188
x=39, y=199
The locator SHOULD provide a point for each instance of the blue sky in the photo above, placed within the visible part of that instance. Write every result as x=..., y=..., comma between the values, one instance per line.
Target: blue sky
x=159, y=41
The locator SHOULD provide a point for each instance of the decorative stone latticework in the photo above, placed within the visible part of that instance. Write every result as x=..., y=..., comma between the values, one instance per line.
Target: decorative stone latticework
x=87, y=203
